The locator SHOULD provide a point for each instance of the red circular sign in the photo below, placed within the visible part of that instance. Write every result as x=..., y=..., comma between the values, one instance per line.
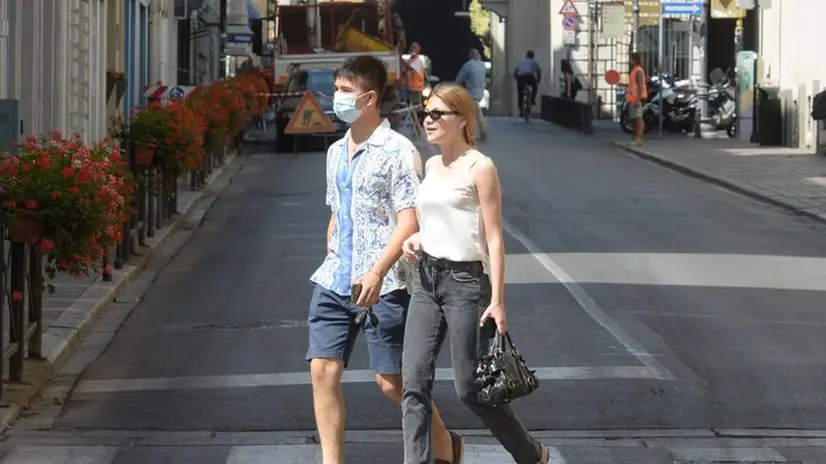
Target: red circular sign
x=612, y=77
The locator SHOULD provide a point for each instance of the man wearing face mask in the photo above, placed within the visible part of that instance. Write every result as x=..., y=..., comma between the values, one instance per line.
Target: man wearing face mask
x=373, y=175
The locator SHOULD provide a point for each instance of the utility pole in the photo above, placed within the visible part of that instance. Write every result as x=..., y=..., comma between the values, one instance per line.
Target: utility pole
x=222, y=45
x=701, y=121
x=636, y=44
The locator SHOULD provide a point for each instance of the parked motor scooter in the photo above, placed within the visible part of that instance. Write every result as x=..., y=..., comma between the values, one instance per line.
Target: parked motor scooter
x=677, y=104
x=722, y=103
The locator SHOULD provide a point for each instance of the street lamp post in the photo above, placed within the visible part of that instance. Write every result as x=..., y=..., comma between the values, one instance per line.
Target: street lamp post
x=635, y=45
x=222, y=42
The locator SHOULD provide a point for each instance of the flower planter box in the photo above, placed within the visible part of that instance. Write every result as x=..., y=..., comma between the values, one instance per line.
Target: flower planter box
x=145, y=154
x=25, y=227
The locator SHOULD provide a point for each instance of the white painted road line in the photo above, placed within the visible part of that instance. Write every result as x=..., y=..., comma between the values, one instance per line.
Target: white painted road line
x=350, y=376
x=276, y=454
x=712, y=455
x=590, y=306
x=61, y=455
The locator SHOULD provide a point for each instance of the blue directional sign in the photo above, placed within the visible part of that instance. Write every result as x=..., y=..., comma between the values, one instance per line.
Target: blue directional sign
x=239, y=38
x=176, y=92
x=682, y=8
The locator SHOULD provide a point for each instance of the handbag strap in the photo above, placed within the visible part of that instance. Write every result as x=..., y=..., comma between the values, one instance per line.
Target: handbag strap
x=511, y=345
x=498, y=342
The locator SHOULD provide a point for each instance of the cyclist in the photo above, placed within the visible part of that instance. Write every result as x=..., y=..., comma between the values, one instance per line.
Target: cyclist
x=527, y=74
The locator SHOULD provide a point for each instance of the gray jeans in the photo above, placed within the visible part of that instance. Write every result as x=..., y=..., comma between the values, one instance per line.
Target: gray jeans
x=451, y=297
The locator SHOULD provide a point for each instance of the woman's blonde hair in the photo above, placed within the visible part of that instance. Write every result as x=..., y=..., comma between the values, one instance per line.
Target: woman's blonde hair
x=459, y=100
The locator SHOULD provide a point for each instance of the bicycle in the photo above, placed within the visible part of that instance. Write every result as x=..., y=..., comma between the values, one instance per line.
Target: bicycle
x=526, y=104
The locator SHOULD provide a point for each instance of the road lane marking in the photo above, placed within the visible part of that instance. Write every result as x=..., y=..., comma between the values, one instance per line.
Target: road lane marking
x=590, y=306
x=721, y=455
x=282, y=379
x=61, y=455
x=807, y=324
x=250, y=454
x=692, y=269
x=242, y=325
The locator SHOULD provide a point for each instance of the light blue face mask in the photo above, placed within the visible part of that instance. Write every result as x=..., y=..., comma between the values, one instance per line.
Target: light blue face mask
x=344, y=106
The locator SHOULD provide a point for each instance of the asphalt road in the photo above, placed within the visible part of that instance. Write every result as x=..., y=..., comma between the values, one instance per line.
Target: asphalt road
x=647, y=300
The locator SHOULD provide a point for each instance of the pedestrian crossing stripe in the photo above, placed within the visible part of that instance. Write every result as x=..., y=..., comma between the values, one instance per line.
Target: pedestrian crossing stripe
x=263, y=454
x=311, y=454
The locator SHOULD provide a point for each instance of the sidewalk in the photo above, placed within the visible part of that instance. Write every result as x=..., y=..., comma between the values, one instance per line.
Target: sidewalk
x=69, y=313
x=785, y=177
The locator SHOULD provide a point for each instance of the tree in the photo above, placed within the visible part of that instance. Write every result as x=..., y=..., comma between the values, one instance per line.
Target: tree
x=480, y=25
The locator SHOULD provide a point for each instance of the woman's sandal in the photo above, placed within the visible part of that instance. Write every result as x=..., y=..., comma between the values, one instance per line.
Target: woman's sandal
x=458, y=446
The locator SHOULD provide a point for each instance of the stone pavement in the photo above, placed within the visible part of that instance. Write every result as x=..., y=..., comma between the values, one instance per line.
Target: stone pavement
x=76, y=303
x=785, y=177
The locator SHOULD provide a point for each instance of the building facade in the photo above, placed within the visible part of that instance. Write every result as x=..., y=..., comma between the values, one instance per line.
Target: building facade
x=780, y=35
x=788, y=49
x=54, y=57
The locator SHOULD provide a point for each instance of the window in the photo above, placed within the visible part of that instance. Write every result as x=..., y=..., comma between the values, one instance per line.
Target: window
x=317, y=80
x=181, y=9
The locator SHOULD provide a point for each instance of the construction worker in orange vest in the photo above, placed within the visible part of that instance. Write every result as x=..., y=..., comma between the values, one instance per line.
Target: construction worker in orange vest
x=415, y=75
x=635, y=95
x=415, y=79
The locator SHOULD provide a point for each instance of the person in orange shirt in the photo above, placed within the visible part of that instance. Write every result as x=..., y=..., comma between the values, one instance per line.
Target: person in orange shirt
x=415, y=75
x=635, y=95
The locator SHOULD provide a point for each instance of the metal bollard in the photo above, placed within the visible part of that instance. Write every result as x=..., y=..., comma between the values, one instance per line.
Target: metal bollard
x=151, y=189
x=17, y=310
x=35, y=330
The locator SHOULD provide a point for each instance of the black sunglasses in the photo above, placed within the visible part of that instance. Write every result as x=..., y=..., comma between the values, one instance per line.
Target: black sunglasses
x=436, y=115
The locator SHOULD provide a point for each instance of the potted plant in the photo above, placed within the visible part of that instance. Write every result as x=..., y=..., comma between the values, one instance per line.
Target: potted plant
x=182, y=143
x=145, y=131
x=78, y=196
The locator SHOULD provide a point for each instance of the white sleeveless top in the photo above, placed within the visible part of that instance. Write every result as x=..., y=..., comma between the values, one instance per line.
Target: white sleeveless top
x=450, y=217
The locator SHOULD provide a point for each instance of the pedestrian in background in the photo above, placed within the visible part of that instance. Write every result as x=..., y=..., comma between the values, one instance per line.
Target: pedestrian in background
x=415, y=75
x=473, y=77
x=528, y=75
x=415, y=82
x=459, y=287
x=372, y=180
x=570, y=82
x=636, y=94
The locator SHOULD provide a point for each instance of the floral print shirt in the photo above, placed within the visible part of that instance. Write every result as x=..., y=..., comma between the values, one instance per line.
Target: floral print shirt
x=364, y=195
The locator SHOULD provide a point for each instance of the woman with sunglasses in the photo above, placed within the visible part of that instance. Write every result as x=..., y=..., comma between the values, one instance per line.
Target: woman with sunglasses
x=459, y=283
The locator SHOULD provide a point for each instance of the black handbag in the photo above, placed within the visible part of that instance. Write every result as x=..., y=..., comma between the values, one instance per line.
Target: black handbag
x=503, y=374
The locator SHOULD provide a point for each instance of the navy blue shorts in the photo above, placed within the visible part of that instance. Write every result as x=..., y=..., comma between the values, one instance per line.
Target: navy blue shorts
x=332, y=334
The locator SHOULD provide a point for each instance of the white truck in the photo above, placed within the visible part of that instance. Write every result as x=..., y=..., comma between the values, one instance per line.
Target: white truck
x=285, y=65
x=317, y=37
x=323, y=34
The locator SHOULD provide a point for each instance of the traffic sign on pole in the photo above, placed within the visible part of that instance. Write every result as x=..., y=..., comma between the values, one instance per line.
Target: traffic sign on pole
x=612, y=77
x=309, y=118
x=568, y=9
x=682, y=9
x=569, y=23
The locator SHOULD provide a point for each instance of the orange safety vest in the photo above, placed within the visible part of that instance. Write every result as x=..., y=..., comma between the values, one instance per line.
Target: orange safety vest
x=415, y=79
x=636, y=90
